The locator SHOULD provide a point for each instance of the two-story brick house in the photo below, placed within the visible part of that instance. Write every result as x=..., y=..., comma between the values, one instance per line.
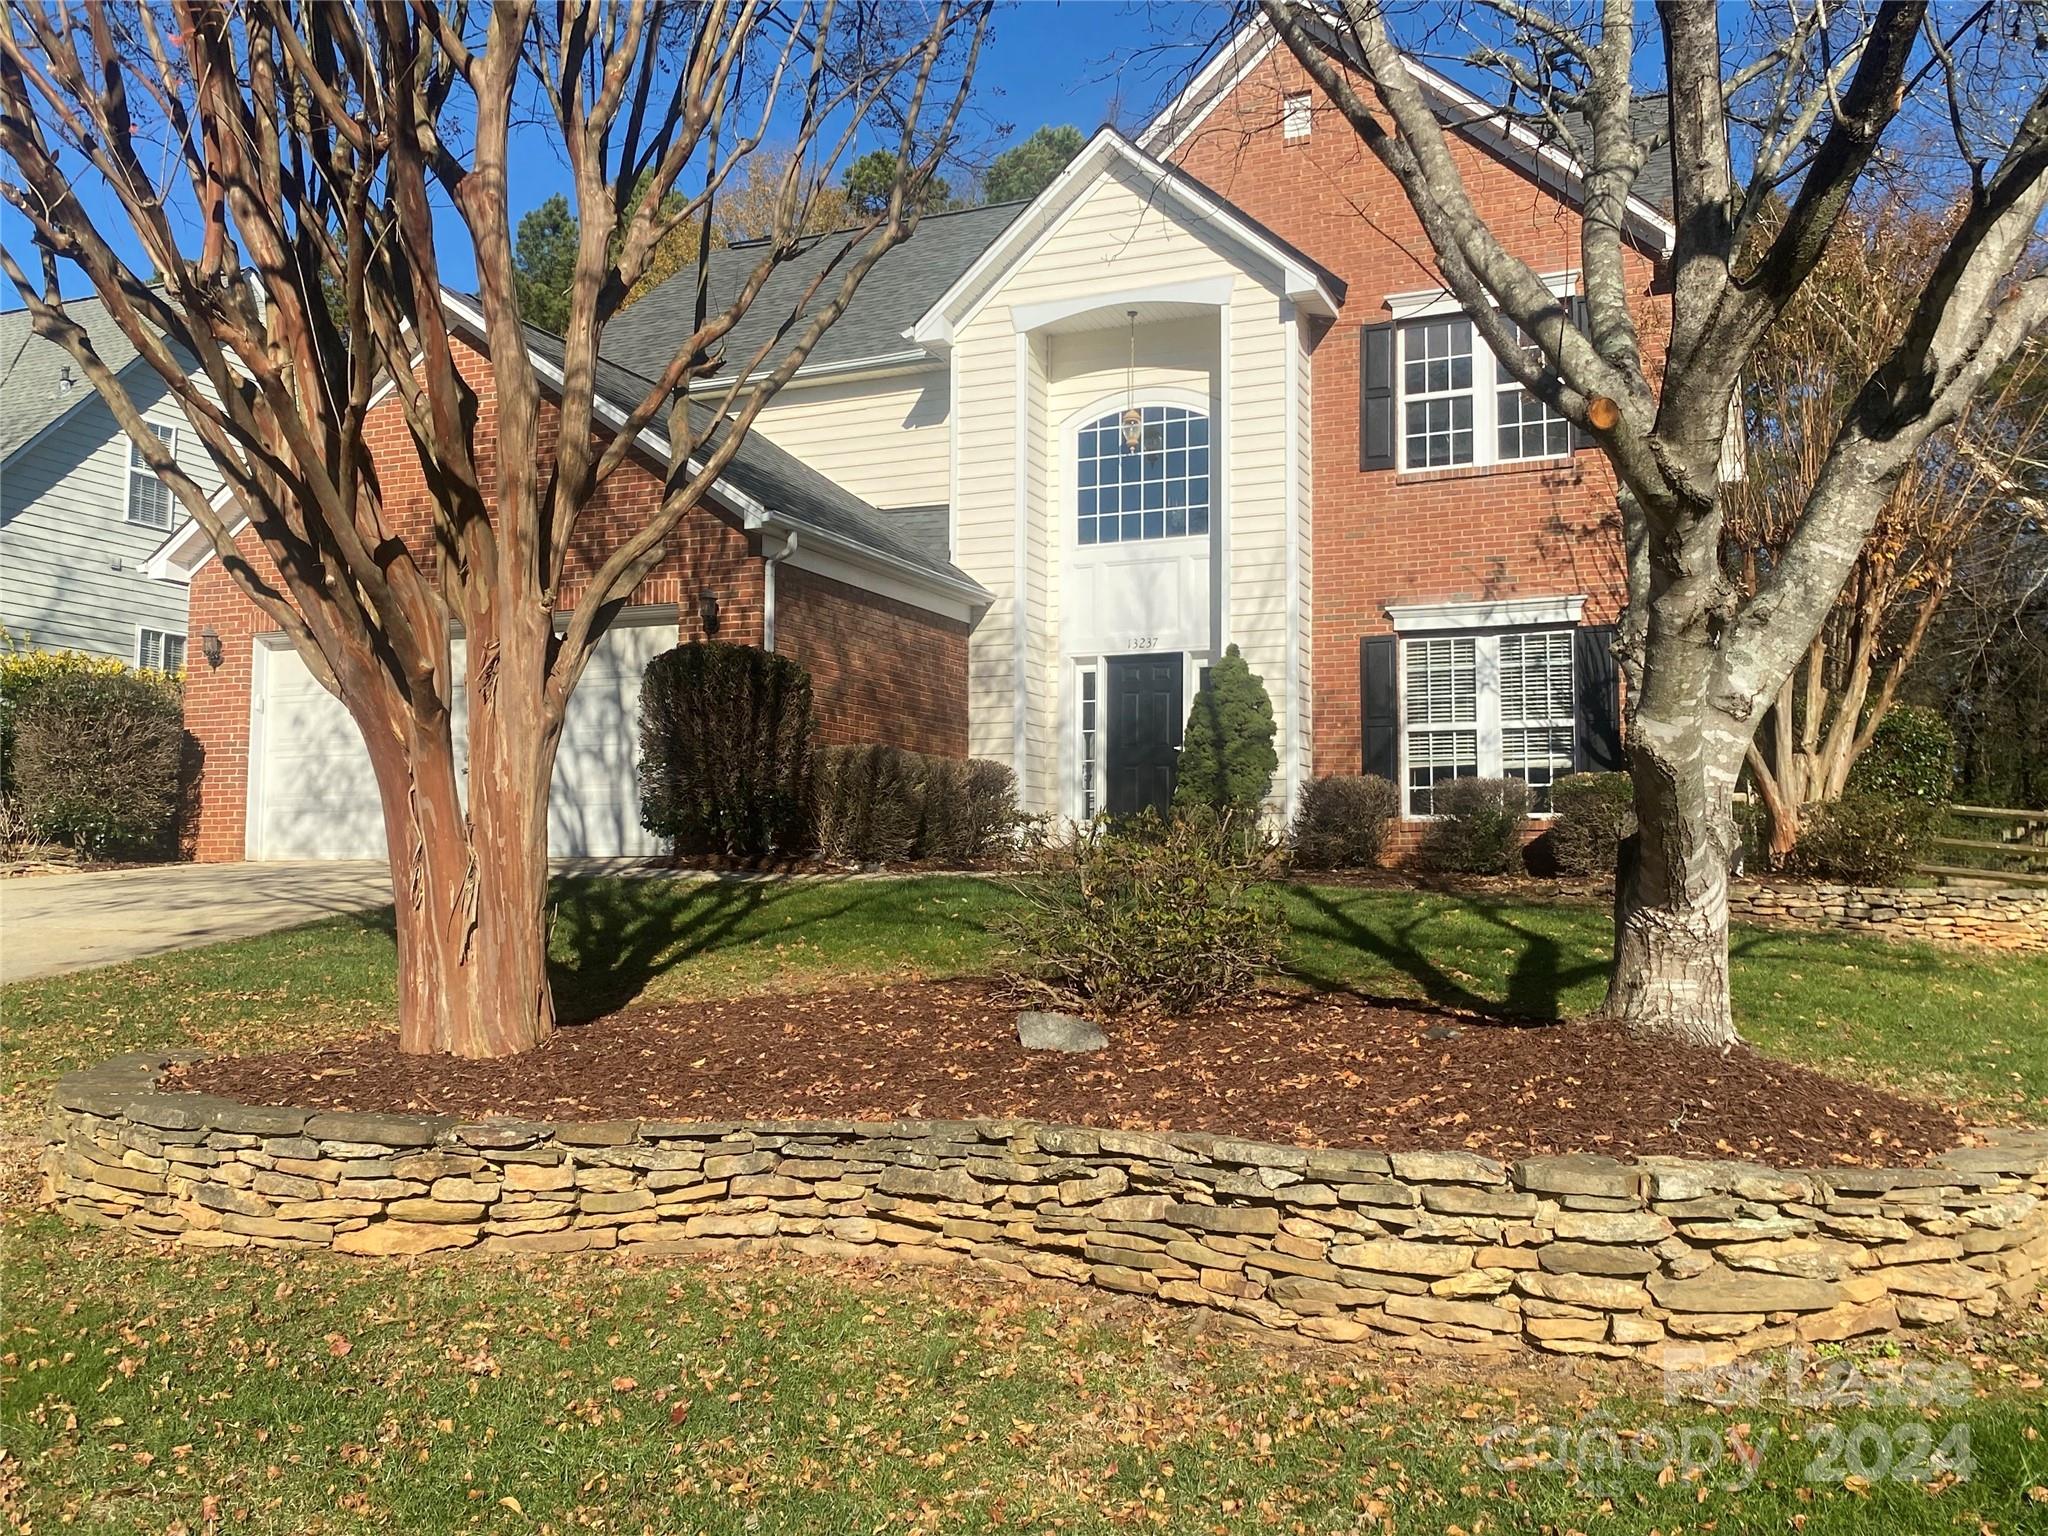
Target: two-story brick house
x=1205, y=390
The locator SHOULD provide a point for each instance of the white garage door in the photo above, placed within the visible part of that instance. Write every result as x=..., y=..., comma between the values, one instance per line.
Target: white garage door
x=315, y=798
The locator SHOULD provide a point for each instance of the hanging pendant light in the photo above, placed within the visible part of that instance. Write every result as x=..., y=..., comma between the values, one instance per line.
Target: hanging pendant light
x=1133, y=418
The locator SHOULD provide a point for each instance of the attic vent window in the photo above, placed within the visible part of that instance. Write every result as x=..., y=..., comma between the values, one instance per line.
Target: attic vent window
x=1295, y=117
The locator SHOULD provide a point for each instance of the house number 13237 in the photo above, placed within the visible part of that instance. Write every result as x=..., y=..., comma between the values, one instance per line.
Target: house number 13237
x=1142, y=643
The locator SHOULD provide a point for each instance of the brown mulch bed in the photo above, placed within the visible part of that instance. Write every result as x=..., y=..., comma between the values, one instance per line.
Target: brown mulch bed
x=1334, y=1070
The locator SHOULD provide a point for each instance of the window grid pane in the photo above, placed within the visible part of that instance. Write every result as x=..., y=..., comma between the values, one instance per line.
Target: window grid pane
x=1088, y=747
x=1536, y=744
x=1525, y=426
x=174, y=653
x=1159, y=492
x=1437, y=393
x=1442, y=708
x=149, y=499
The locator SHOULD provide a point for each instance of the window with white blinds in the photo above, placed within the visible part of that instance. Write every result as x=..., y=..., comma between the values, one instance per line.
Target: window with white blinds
x=1488, y=706
x=1441, y=699
x=1536, y=710
x=149, y=499
x=159, y=650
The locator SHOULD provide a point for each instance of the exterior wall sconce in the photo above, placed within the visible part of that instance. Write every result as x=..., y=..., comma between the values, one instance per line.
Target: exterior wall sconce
x=209, y=646
x=707, y=610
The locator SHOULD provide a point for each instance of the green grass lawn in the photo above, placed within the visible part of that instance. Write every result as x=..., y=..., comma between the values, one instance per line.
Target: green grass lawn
x=272, y=1394
x=1968, y=1027
x=312, y=1395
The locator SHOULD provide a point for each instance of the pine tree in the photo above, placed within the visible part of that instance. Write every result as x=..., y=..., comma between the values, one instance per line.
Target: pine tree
x=1025, y=170
x=1227, y=759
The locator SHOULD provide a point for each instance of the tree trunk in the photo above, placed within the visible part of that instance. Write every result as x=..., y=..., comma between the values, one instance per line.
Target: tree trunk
x=1670, y=977
x=470, y=883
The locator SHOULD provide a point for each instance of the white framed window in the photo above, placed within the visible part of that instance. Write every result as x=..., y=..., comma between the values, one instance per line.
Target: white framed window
x=1157, y=490
x=1458, y=405
x=149, y=499
x=1536, y=730
x=1297, y=116
x=1494, y=705
x=160, y=650
x=1088, y=737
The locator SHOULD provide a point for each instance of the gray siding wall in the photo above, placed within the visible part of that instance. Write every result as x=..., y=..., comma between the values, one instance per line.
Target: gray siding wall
x=70, y=560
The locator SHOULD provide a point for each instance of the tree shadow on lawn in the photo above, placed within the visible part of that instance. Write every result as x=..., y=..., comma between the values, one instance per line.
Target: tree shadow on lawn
x=611, y=938
x=1532, y=993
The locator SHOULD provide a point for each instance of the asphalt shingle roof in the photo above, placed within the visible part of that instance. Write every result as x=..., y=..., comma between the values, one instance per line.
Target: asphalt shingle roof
x=1648, y=116
x=775, y=477
x=905, y=283
x=32, y=393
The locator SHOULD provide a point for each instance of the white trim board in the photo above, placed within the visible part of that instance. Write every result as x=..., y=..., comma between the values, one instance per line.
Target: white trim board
x=1495, y=613
x=1302, y=283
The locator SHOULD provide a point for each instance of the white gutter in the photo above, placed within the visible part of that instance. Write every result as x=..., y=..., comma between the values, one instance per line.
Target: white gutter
x=768, y=564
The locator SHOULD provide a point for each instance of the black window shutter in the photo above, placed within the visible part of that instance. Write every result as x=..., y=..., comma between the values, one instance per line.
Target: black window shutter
x=1376, y=396
x=1379, y=707
x=1581, y=438
x=1597, y=690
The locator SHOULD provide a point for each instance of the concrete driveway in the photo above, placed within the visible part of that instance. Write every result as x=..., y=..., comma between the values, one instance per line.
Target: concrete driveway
x=50, y=924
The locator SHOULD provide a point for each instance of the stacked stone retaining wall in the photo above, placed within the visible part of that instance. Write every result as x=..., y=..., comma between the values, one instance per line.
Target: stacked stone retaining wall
x=1981, y=915
x=1438, y=1251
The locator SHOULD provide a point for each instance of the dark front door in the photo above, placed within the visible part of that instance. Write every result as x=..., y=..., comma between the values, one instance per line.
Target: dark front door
x=1144, y=731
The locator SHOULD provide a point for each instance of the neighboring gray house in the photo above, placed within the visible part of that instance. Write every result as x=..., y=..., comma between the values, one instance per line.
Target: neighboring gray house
x=79, y=512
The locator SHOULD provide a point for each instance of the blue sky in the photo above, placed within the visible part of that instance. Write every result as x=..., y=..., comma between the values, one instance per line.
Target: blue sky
x=1083, y=62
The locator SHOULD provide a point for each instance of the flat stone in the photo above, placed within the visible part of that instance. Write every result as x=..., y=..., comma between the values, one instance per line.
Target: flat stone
x=1249, y=1221
x=1952, y=1282
x=1577, y=1173
x=1040, y=1029
x=1468, y=1314
x=375, y=1129
x=1602, y=1292
x=539, y=1177
x=1727, y=1290
x=928, y=1184
x=388, y=1238
x=728, y=1165
x=1595, y=1259
x=1098, y=1186
x=1393, y=1255
x=500, y=1135
x=598, y=1133
x=1611, y=1226
x=260, y=1119
x=171, y=1111
x=1342, y=1164
x=436, y=1212
x=1448, y=1168
x=1463, y=1200
x=1385, y=1192
x=1258, y=1154
x=1813, y=1258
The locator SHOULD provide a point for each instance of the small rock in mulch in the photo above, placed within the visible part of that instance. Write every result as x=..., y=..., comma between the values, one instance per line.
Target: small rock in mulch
x=1324, y=1070
x=1040, y=1029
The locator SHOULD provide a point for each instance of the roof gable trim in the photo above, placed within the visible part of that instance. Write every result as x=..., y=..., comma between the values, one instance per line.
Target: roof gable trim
x=1305, y=283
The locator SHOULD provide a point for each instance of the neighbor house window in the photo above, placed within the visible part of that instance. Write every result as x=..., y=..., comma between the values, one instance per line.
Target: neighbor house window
x=1089, y=734
x=160, y=650
x=1489, y=706
x=1296, y=116
x=149, y=499
x=1460, y=405
x=1158, y=490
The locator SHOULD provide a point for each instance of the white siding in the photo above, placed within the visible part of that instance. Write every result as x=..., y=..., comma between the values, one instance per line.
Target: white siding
x=70, y=561
x=883, y=439
x=1120, y=236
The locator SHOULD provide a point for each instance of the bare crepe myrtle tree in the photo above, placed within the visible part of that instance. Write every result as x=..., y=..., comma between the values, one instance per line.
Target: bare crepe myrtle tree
x=269, y=174
x=1806, y=109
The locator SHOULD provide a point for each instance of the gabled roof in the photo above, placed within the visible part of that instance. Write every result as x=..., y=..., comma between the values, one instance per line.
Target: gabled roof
x=765, y=484
x=900, y=287
x=33, y=396
x=1508, y=136
x=1306, y=281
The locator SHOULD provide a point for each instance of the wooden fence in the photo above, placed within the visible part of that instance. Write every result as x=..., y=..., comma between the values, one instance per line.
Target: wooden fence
x=1993, y=843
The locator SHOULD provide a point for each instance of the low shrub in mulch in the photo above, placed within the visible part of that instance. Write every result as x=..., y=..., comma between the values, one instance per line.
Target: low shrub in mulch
x=1478, y=827
x=1342, y=821
x=1332, y=1069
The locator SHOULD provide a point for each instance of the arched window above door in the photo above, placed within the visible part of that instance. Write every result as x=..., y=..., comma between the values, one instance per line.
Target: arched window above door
x=1159, y=490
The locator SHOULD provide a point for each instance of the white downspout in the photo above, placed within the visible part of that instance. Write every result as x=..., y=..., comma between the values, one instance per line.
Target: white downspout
x=768, y=564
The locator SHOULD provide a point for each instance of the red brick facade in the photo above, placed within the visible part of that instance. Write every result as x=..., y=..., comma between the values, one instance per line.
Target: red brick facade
x=1382, y=536
x=882, y=670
